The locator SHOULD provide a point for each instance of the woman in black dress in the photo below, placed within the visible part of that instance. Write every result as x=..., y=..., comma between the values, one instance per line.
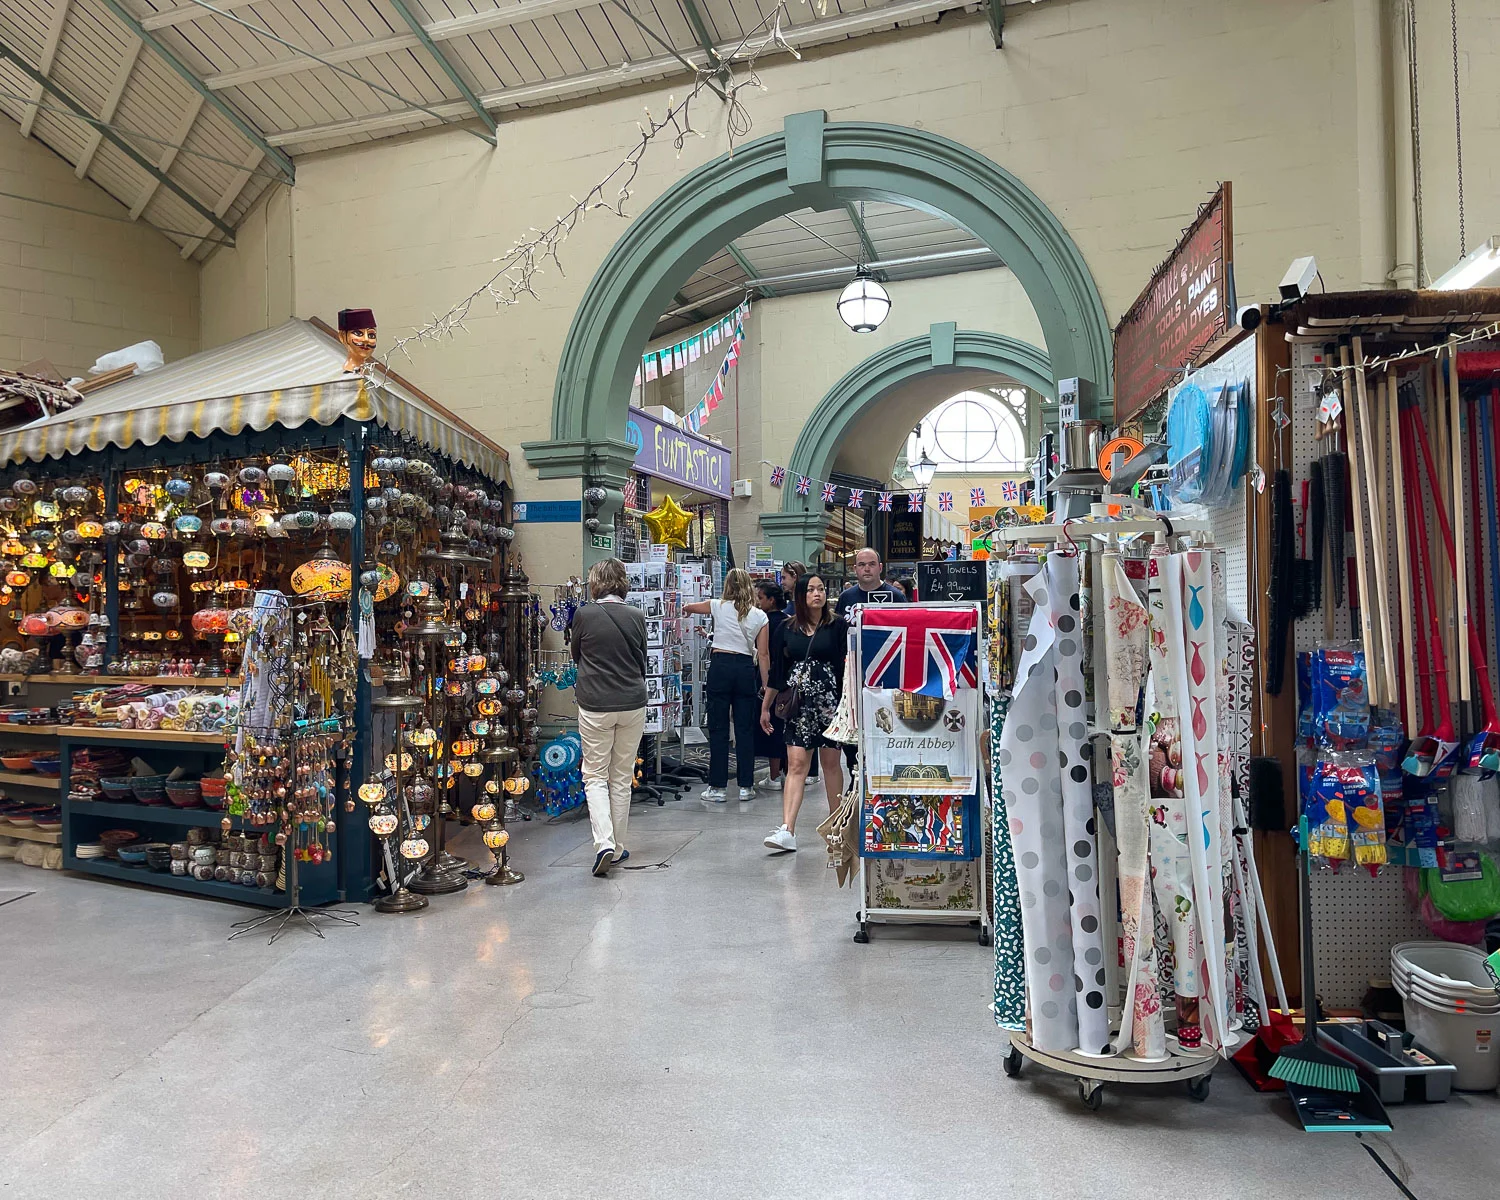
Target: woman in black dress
x=807, y=651
x=772, y=601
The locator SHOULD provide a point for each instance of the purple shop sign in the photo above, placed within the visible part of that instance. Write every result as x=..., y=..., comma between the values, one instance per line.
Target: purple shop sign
x=667, y=452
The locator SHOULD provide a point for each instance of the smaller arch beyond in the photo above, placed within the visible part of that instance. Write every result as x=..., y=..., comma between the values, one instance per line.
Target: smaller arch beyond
x=944, y=348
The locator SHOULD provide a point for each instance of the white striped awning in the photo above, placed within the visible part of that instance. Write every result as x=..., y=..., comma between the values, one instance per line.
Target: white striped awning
x=196, y=397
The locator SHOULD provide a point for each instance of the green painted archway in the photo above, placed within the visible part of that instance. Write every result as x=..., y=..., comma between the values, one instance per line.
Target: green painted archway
x=798, y=528
x=818, y=164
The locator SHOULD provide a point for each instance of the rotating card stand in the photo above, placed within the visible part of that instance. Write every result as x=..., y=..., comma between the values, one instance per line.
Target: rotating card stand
x=979, y=915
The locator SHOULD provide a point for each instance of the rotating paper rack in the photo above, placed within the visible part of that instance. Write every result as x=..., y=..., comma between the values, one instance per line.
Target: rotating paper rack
x=1081, y=528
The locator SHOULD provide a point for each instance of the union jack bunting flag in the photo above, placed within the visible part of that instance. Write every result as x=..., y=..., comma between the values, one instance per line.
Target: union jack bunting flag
x=883, y=503
x=945, y=501
x=917, y=649
x=828, y=493
x=804, y=485
x=1010, y=491
x=778, y=476
x=916, y=501
x=976, y=497
x=856, y=497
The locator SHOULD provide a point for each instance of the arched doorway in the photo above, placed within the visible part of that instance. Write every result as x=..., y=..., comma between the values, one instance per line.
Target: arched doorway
x=811, y=163
x=797, y=530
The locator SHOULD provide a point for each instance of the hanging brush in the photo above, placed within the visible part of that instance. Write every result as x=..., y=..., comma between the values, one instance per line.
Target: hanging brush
x=1307, y=1064
x=1317, y=518
x=1304, y=571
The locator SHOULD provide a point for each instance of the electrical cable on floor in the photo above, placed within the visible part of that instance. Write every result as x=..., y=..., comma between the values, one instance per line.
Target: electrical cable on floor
x=1381, y=1163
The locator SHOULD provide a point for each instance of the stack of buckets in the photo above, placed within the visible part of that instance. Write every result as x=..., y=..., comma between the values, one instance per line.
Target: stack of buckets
x=1452, y=1008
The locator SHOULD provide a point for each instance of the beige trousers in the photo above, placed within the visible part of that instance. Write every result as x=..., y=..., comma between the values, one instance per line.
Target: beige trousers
x=610, y=740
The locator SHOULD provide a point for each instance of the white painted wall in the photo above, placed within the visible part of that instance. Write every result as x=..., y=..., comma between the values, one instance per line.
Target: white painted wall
x=1122, y=115
x=75, y=286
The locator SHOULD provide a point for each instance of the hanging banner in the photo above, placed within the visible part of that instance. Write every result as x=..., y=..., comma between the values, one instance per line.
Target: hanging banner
x=918, y=745
x=667, y=452
x=1187, y=304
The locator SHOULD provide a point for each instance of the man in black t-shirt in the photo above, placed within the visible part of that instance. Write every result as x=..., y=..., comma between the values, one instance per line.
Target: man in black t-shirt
x=870, y=586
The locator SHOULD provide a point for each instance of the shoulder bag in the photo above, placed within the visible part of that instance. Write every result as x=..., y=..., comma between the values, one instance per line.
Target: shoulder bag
x=788, y=702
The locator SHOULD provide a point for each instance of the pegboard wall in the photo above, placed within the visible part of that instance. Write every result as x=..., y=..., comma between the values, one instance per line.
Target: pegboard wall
x=1228, y=524
x=1356, y=919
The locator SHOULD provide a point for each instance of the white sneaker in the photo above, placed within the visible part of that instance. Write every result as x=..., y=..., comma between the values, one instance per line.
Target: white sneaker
x=713, y=795
x=771, y=785
x=747, y=795
x=781, y=839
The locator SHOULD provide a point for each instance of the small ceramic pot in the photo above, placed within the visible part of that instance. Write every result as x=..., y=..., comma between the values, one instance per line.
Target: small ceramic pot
x=266, y=862
x=205, y=855
x=179, y=866
x=202, y=871
x=224, y=874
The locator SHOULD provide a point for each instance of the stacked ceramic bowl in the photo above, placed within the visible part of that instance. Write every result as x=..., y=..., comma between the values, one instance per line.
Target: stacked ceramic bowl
x=1452, y=1008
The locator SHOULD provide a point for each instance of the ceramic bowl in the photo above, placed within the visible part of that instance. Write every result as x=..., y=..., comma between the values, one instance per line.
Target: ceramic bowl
x=16, y=762
x=47, y=766
x=116, y=787
x=134, y=856
x=185, y=793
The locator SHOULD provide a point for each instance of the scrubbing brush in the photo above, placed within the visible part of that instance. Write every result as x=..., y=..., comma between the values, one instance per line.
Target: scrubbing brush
x=1306, y=1064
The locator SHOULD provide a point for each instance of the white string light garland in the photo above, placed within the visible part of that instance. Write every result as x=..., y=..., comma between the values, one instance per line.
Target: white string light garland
x=517, y=269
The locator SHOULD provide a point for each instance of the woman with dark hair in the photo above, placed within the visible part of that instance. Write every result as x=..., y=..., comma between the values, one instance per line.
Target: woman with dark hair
x=771, y=600
x=808, y=655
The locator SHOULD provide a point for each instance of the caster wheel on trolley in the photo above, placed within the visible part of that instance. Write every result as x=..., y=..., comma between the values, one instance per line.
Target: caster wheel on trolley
x=862, y=936
x=1011, y=1063
x=986, y=938
x=1198, y=1088
x=1091, y=1093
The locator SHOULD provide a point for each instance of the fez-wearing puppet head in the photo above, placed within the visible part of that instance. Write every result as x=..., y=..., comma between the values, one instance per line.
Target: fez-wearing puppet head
x=357, y=332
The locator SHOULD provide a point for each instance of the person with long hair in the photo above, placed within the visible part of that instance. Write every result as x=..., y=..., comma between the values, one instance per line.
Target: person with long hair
x=771, y=600
x=609, y=646
x=740, y=643
x=808, y=657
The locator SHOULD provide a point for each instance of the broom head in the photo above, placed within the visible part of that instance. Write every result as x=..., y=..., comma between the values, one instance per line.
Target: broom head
x=1308, y=1066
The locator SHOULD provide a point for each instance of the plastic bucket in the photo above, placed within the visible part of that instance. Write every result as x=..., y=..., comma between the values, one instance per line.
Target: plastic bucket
x=1467, y=1040
x=1445, y=968
x=1446, y=1003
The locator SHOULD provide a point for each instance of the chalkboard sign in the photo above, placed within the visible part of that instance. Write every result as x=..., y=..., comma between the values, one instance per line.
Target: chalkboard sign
x=904, y=537
x=960, y=580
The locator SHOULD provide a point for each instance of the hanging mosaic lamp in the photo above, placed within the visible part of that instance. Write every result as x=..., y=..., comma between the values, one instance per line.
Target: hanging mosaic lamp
x=323, y=577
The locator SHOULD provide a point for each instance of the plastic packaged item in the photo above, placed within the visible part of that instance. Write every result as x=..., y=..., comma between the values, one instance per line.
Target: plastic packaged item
x=1341, y=697
x=1455, y=891
x=1307, y=733
x=1326, y=811
x=1387, y=740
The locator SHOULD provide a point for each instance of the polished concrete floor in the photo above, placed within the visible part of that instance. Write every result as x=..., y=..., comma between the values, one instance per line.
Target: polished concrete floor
x=704, y=1029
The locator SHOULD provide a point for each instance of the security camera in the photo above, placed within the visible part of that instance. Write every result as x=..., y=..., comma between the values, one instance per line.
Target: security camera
x=1299, y=278
x=1248, y=317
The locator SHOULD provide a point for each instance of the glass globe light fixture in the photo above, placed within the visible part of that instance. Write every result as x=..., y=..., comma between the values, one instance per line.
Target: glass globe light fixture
x=923, y=470
x=864, y=304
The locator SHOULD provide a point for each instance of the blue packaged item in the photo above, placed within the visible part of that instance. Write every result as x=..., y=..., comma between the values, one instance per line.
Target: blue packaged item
x=1387, y=740
x=1306, y=730
x=1341, y=697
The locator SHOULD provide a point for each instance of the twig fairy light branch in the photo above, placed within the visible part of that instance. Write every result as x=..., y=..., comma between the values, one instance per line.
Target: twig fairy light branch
x=516, y=271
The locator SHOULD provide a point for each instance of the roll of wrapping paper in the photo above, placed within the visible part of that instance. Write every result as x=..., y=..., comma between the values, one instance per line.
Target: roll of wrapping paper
x=1283, y=556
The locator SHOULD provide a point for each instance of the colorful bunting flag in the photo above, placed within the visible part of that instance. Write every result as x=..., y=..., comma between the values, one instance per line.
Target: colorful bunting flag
x=916, y=501
x=778, y=476
x=1010, y=491
x=945, y=501
x=856, y=497
x=804, y=485
x=638, y=377
x=650, y=361
x=884, y=502
x=976, y=497
x=695, y=349
x=829, y=491
x=665, y=357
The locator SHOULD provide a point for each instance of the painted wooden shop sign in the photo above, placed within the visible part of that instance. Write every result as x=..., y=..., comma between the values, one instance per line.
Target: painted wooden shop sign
x=667, y=452
x=1188, y=303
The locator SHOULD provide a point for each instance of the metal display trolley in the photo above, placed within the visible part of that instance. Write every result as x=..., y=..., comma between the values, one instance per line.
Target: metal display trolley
x=940, y=878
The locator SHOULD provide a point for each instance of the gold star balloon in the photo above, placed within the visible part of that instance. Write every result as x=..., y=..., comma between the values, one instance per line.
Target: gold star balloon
x=668, y=523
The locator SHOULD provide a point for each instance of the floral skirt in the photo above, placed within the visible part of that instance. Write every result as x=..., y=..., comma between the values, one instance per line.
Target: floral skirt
x=820, y=699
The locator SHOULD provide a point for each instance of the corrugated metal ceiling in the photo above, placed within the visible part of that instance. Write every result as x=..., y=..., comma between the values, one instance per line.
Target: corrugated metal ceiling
x=218, y=96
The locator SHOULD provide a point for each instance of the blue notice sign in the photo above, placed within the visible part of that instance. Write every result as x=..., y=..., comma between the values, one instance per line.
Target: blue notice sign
x=567, y=512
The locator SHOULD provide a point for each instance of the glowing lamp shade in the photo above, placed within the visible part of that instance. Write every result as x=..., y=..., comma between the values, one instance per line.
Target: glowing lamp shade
x=492, y=787
x=17, y=579
x=372, y=793
x=35, y=559
x=383, y=824
x=323, y=577
x=196, y=559
x=90, y=530
x=414, y=847
x=864, y=304
x=496, y=839
x=484, y=811
x=923, y=470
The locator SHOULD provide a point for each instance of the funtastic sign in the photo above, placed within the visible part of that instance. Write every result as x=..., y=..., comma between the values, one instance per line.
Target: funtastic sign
x=1185, y=307
x=668, y=452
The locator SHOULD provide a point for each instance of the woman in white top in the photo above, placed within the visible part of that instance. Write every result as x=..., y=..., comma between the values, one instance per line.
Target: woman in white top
x=736, y=673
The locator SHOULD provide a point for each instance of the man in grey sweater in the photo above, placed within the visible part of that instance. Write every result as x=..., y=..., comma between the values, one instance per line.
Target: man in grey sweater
x=609, y=646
